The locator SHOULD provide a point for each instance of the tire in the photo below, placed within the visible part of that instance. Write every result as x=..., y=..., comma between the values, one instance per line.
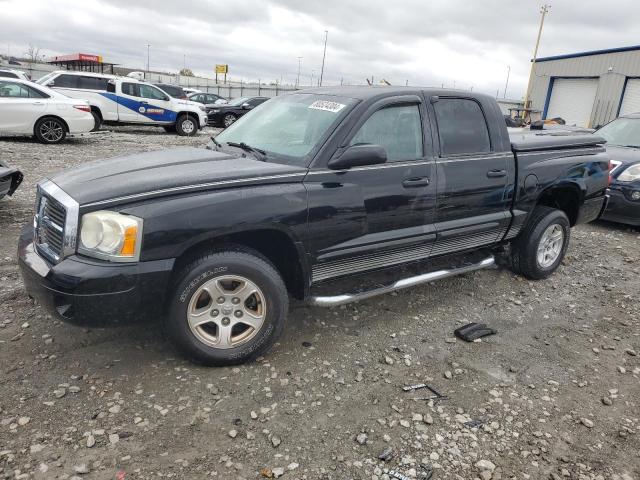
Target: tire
x=534, y=253
x=50, y=130
x=186, y=125
x=216, y=335
x=97, y=121
x=170, y=129
x=228, y=120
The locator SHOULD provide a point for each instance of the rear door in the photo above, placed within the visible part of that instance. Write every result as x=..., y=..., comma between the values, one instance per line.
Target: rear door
x=473, y=201
x=20, y=105
x=375, y=216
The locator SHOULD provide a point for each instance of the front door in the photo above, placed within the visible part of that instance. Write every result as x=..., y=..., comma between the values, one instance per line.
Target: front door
x=142, y=103
x=378, y=215
x=472, y=198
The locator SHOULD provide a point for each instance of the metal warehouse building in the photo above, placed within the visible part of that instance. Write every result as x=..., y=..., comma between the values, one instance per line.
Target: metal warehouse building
x=588, y=89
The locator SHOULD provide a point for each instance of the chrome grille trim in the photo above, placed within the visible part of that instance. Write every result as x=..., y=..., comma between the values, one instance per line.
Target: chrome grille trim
x=55, y=222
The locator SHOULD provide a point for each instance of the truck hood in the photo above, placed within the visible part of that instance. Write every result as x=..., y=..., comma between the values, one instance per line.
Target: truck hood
x=176, y=171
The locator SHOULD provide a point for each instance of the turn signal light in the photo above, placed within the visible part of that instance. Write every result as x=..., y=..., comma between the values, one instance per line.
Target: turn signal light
x=129, y=243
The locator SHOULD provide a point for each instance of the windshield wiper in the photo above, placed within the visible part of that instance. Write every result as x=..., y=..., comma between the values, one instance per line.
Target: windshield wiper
x=215, y=142
x=258, y=153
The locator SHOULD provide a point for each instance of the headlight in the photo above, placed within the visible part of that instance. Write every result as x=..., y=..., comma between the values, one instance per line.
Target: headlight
x=215, y=110
x=202, y=107
x=111, y=236
x=631, y=174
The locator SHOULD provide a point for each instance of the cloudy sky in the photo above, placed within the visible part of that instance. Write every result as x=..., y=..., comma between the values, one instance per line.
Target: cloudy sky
x=425, y=42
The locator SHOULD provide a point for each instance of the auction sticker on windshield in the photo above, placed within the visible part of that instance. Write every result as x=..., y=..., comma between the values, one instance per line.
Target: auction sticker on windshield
x=327, y=106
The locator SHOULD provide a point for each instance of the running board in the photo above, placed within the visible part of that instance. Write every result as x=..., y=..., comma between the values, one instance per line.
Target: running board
x=336, y=300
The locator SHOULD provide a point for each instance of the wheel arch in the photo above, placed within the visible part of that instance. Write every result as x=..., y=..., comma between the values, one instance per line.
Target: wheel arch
x=565, y=196
x=195, y=116
x=276, y=245
x=95, y=109
x=66, y=125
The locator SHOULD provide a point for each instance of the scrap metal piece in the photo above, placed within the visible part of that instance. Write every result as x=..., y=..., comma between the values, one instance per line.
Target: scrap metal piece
x=427, y=472
x=398, y=475
x=386, y=454
x=417, y=386
x=474, y=423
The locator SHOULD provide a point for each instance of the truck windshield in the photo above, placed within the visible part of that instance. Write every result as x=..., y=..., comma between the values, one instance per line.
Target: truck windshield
x=290, y=126
x=622, y=131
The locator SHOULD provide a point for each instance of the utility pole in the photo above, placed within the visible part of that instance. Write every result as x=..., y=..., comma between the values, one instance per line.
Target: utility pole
x=507, y=84
x=326, y=34
x=148, y=47
x=543, y=13
x=298, y=78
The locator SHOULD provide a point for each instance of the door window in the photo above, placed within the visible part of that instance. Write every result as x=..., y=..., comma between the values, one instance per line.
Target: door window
x=18, y=90
x=92, y=83
x=131, y=89
x=66, y=81
x=398, y=129
x=153, y=93
x=462, y=128
x=197, y=98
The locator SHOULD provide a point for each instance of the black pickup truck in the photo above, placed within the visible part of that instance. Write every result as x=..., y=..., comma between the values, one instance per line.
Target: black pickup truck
x=303, y=192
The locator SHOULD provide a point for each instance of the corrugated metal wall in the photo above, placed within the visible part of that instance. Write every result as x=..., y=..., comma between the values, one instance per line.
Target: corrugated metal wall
x=610, y=84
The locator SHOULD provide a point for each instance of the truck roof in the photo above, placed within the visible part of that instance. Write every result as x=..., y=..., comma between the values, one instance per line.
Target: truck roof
x=365, y=92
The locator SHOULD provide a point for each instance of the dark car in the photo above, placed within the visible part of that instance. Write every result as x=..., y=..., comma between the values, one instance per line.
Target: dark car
x=10, y=179
x=174, y=91
x=225, y=115
x=623, y=146
x=307, y=197
x=209, y=100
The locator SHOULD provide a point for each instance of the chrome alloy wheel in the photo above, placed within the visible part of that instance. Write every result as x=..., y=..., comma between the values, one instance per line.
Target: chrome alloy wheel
x=188, y=126
x=229, y=119
x=226, y=311
x=51, y=131
x=550, y=245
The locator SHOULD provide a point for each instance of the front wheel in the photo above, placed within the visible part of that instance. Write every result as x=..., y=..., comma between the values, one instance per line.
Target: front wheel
x=186, y=126
x=228, y=119
x=50, y=130
x=228, y=308
x=542, y=245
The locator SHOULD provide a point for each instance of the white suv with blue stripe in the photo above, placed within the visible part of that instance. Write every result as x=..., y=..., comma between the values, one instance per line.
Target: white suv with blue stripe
x=125, y=101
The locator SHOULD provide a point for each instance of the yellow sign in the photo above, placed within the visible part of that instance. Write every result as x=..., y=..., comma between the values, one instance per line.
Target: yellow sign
x=222, y=68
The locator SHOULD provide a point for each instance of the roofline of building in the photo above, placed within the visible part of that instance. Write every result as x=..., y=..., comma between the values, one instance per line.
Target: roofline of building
x=589, y=53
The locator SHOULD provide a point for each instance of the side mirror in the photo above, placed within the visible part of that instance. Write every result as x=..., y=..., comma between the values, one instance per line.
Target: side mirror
x=246, y=106
x=358, y=156
x=50, y=83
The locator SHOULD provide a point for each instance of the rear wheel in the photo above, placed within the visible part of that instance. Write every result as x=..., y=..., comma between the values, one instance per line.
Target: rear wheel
x=228, y=308
x=542, y=245
x=97, y=121
x=186, y=125
x=50, y=130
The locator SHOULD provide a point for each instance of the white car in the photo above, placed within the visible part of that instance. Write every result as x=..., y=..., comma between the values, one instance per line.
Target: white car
x=11, y=73
x=127, y=101
x=30, y=109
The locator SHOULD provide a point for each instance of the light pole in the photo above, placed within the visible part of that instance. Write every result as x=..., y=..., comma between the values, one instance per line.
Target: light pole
x=298, y=78
x=313, y=72
x=326, y=34
x=148, y=47
x=543, y=11
x=506, y=85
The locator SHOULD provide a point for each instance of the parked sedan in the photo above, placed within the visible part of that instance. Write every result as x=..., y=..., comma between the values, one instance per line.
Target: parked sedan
x=27, y=108
x=225, y=115
x=11, y=73
x=209, y=100
x=10, y=179
x=623, y=146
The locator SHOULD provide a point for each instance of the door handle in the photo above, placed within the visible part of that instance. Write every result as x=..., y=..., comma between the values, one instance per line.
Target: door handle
x=144, y=103
x=38, y=103
x=496, y=173
x=416, y=182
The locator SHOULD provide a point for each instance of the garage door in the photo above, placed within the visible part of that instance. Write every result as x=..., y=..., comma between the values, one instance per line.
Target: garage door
x=631, y=99
x=572, y=99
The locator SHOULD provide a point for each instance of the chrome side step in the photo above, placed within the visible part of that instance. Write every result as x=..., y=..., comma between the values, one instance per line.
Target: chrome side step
x=336, y=300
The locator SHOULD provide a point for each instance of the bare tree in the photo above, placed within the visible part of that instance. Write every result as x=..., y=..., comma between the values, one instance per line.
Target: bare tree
x=33, y=53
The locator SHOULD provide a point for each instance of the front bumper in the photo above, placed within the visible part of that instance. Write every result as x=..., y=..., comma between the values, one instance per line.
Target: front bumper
x=622, y=209
x=94, y=293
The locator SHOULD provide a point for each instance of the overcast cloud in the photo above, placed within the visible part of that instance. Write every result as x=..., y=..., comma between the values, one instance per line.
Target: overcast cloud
x=426, y=42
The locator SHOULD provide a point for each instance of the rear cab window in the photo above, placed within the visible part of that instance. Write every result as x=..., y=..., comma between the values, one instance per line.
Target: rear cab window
x=462, y=127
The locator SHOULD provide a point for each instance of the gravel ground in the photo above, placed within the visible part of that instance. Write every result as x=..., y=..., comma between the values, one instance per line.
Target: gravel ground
x=556, y=392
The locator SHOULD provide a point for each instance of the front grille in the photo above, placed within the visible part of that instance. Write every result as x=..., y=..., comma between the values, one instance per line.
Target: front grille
x=49, y=227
